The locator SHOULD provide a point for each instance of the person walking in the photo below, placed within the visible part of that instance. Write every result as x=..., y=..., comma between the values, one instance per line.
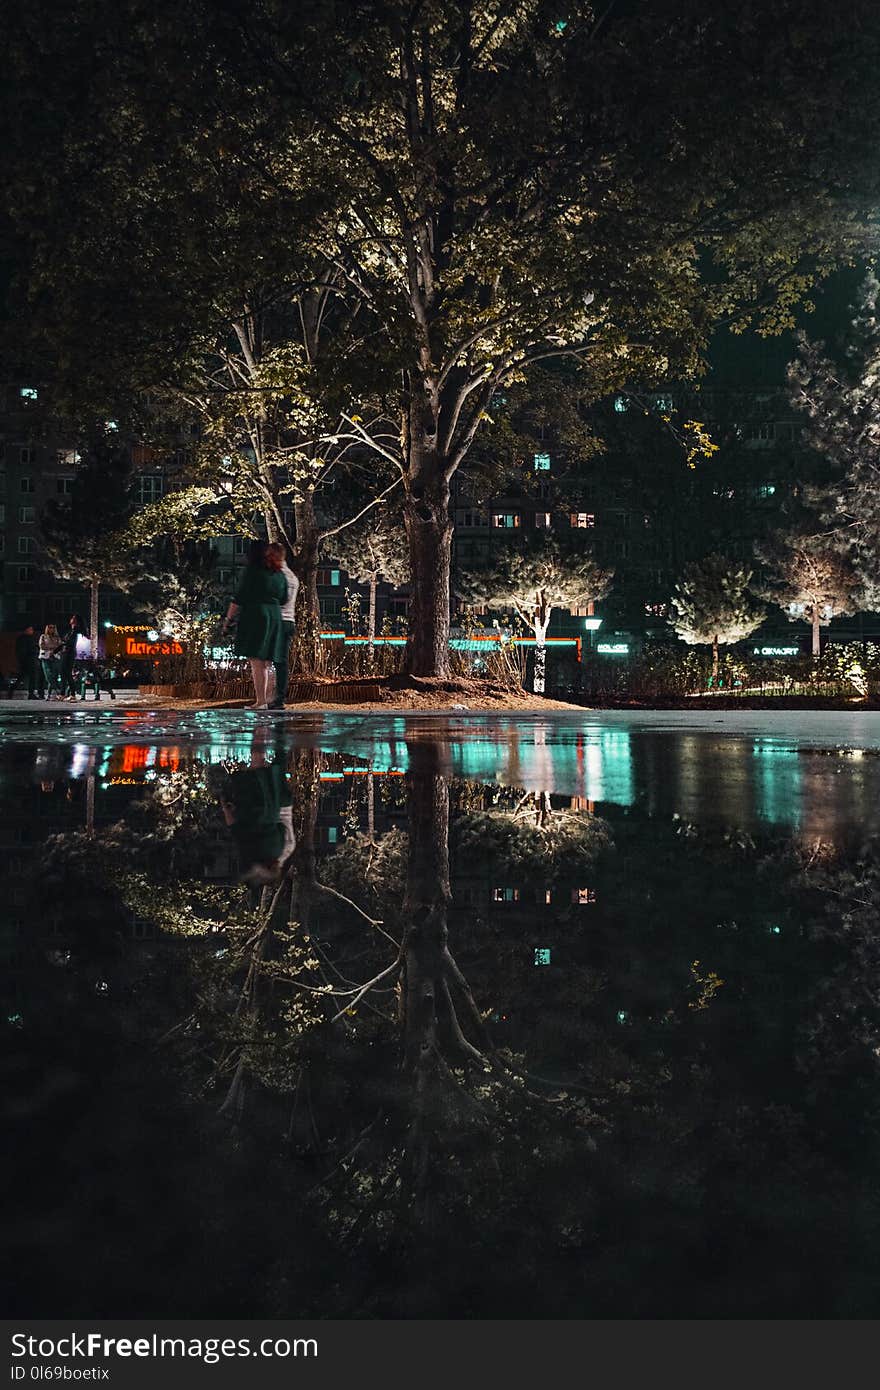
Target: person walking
x=48, y=649
x=26, y=656
x=288, y=625
x=257, y=608
x=68, y=656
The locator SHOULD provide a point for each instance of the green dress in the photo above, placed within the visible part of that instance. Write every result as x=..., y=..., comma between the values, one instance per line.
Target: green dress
x=259, y=598
x=258, y=794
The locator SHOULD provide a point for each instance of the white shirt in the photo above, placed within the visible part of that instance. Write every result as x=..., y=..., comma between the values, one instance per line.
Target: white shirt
x=288, y=607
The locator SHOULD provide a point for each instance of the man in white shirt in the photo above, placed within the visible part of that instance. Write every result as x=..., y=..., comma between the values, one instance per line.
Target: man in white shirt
x=288, y=624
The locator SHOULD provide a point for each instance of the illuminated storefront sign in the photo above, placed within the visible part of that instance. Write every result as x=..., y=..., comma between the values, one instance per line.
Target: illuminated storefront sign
x=140, y=641
x=136, y=647
x=776, y=651
x=612, y=648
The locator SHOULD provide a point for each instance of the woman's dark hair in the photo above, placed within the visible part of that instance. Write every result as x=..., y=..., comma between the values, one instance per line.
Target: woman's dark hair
x=275, y=556
x=75, y=618
x=258, y=554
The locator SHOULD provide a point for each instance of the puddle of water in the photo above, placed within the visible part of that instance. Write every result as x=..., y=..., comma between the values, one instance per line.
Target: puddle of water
x=388, y=1018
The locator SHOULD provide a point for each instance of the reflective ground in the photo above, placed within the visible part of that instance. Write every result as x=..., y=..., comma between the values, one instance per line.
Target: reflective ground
x=389, y=1017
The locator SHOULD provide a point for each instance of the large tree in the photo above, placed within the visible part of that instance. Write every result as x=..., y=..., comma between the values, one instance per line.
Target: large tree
x=494, y=183
x=519, y=185
x=712, y=603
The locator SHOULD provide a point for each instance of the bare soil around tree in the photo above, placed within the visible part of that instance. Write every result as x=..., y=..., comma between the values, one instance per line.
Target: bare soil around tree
x=454, y=693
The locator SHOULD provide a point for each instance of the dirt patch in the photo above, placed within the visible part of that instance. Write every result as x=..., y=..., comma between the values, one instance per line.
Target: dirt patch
x=455, y=693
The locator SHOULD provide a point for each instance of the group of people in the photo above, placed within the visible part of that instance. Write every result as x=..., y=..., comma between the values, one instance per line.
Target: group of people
x=47, y=665
x=263, y=613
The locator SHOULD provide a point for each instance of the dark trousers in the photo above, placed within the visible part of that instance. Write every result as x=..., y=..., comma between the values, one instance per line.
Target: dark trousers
x=26, y=676
x=68, y=686
x=282, y=667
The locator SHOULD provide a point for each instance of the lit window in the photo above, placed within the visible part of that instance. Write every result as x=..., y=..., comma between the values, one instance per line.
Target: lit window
x=765, y=490
x=582, y=896
x=663, y=402
x=505, y=895
x=542, y=519
x=542, y=955
x=332, y=834
x=621, y=405
x=548, y=896
x=542, y=463
x=28, y=393
x=506, y=521
x=329, y=578
x=69, y=458
x=581, y=521
x=112, y=426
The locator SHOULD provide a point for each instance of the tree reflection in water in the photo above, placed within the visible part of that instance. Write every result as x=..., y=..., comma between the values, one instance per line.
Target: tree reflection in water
x=397, y=1113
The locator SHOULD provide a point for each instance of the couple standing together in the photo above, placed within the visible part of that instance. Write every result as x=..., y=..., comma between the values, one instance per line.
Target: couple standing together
x=263, y=609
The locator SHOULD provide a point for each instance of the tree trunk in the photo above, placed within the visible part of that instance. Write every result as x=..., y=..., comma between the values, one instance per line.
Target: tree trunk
x=371, y=619
x=540, y=626
x=715, y=661
x=93, y=617
x=305, y=566
x=425, y=904
x=817, y=640
x=429, y=531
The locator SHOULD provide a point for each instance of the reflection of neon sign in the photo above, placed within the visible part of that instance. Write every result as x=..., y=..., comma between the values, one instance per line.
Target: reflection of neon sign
x=133, y=647
x=776, y=651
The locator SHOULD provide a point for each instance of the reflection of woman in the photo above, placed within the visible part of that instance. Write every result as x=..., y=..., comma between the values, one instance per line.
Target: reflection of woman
x=257, y=808
x=49, y=645
x=257, y=605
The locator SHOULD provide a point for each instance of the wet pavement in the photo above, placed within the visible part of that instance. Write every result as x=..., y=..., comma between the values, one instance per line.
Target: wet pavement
x=441, y=1016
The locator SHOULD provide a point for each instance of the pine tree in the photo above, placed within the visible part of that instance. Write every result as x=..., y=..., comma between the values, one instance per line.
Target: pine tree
x=712, y=603
x=534, y=578
x=842, y=406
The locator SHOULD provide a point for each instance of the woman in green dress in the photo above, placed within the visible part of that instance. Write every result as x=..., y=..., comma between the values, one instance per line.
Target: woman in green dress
x=257, y=606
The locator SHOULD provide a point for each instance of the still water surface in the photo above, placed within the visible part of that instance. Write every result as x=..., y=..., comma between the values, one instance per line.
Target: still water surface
x=389, y=1017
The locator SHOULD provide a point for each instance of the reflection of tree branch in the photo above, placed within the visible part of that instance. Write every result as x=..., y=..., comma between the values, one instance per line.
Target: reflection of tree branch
x=393, y=969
